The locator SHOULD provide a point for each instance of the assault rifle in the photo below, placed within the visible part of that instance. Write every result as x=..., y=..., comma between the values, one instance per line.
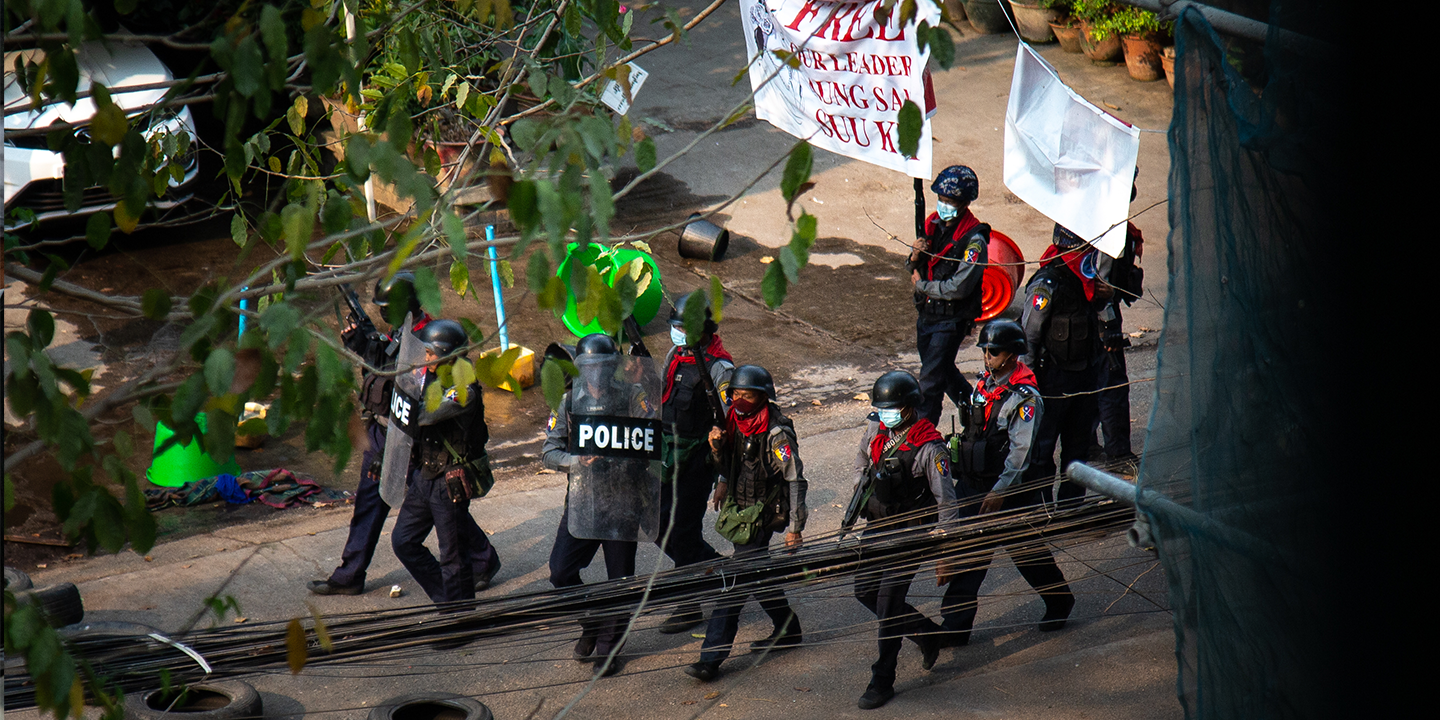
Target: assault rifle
x=363, y=324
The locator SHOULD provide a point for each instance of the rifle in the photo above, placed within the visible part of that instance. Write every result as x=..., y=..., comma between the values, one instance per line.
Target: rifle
x=362, y=320
x=712, y=393
x=631, y=330
x=362, y=338
x=857, y=504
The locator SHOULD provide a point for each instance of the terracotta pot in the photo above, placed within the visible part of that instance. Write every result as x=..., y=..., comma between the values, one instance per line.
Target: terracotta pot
x=956, y=10
x=1034, y=21
x=1100, y=52
x=987, y=16
x=1167, y=61
x=1142, y=57
x=1068, y=33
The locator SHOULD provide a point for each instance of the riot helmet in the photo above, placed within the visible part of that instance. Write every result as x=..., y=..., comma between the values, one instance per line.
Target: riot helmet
x=753, y=377
x=1005, y=335
x=443, y=337
x=895, y=389
x=386, y=288
x=957, y=181
x=677, y=318
x=557, y=352
x=1064, y=238
x=597, y=357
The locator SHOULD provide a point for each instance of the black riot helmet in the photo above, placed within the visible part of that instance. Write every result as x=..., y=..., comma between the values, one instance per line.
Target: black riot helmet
x=596, y=344
x=895, y=389
x=443, y=337
x=753, y=377
x=597, y=358
x=386, y=288
x=1003, y=335
x=677, y=313
x=1065, y=238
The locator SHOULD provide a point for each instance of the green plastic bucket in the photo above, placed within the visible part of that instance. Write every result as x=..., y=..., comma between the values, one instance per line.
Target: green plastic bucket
x=180, y=464
x=647, y=305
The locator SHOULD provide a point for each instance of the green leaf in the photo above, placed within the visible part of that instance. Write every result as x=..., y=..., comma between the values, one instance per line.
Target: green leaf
x=552, y=296
x=459, y=277
x=507, y=274
x=455, y=231
x=272, y=29
x=427, y=290
x=645, y=155
x=694, y=315
x=602, y=205
x=717, y=298
x=803, y=238
x=797, y=170
x=109, y=125
x=298, y=222
x=155, y=303
x=238, y=232
x=790, y=264
x=523, y=206
x=773, y=286
x=248, y=67
x=219, y=371
x=911, y=123
x=942, y=47
x=294, y=118
x=124, y=446
x=434, y=395
x=537, y=270
x=296, y=653
x=97, y=230
x=41, y=326
x=552, y=381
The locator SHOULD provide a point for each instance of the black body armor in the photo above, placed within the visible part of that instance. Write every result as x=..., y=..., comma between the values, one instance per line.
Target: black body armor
x=1071, y=340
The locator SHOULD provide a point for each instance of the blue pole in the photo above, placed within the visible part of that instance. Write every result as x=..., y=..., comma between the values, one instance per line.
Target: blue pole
x=242, y=315
x=495, y=282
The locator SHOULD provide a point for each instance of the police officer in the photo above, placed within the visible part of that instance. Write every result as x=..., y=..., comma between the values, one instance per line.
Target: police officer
x=598, y=358
x=447, y=459
x=687, y=415
x=759, y=460
x=1128, y=280
x=946, y=265
x=379, y=351
x=994, y=453
x=904, y=467
x=1063, y=346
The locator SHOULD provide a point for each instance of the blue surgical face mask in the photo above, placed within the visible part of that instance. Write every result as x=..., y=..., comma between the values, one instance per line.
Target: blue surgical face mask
x=946, y=211
x=677, y=335
x=890, y=417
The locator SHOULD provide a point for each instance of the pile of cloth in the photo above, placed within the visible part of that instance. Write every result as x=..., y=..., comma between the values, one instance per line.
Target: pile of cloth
x=278, y=488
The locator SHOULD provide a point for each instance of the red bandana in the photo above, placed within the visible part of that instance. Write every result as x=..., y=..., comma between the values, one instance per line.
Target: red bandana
x=968, y=221
x=921, y=431
x=753, y=425
x=1073, y=258
x=715, y=350
x=1021, y=375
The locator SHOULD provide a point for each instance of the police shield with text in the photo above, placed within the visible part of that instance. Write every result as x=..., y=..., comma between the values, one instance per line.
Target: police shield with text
x=946, y=265
x=606, y=436
x=697, y=378
x=994, y=454
x=448, y=468
x=902, y=479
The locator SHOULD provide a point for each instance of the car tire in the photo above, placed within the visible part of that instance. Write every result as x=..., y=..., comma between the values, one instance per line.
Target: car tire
x=221, y=700
x=420, y=706
x=60, y=604
x=16, y=580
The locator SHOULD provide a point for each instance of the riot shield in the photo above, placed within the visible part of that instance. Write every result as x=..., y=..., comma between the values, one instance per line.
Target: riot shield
x=406, y=402
x=615, y=438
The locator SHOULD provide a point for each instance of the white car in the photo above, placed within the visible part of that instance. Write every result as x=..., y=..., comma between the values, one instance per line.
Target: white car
x=33, y=173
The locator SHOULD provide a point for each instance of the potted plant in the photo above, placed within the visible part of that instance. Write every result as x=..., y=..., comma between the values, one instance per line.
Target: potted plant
x=1097, y=40
x=1140, y=34
x=987, y=16
x=1167, y=61
x=1065, y=26
x=1033, y=17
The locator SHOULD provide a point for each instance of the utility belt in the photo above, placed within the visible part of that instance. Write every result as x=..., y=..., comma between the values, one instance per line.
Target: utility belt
x=934, y=307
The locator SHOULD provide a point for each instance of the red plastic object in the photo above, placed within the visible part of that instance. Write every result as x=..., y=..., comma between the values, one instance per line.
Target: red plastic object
x=1002, y=277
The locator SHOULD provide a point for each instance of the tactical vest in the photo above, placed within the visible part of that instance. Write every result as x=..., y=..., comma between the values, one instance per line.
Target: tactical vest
x=687, y=412
x=467, y=433
x=984, y=446
x=966, y=308
x=375, y=389
x=1071, y=340
x=896, y=489
x=752, y=477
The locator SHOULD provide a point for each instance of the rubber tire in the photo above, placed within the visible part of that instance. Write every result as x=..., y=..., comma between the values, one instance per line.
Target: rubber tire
x=16, y=580
x=407, y=707
x=244, y=703
x=61, y=603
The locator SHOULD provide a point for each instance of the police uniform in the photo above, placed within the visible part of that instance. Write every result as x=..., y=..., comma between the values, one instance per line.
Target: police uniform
x=947, y=300
x=570, y=554
x=919, y=480
x=1128, y=279
x=686, y=417
x=449, y=437
x=994, y=454
x=368, y=519
x=1062, y=335
x=760, y=467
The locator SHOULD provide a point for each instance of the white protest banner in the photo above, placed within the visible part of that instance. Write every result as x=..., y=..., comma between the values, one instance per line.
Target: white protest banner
x=1067, y=158
x=854, y=75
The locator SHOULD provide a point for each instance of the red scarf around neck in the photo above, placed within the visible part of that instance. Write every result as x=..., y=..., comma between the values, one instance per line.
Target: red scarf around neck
x=968, y=221
x=747, y=426
x=715, y=349
x=1073, y=257
x=1021, y=375
x=920, y=432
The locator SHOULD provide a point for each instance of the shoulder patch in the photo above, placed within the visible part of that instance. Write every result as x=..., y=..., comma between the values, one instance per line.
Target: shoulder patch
x=942, y=464
x=551, y=424
x=972, y=253
x=1040, y=301
x=783, y=453
x=1027, y=412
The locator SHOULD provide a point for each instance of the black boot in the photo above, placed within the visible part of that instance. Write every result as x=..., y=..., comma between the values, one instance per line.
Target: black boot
x=703, y=671
x=780, y=638
x=876, y=695
x=1057, y=611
